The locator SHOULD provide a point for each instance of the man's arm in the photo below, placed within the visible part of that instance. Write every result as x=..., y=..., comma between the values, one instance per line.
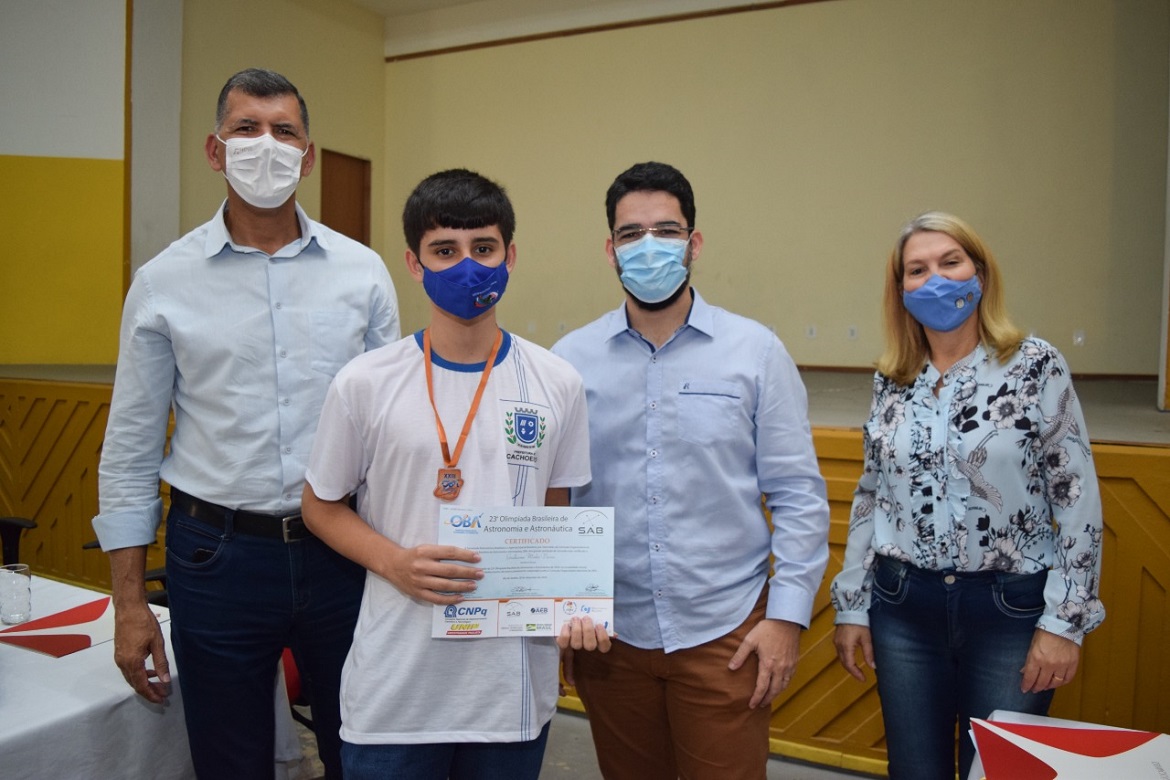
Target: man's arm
x=383, y=326
x=136, y=630
x=790, y=480
x=128, y=485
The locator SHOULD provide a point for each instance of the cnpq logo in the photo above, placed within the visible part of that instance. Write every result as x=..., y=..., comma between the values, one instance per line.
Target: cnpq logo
x=458, y=611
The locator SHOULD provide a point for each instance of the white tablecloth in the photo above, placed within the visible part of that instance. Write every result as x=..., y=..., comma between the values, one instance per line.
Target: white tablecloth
x=75, y=717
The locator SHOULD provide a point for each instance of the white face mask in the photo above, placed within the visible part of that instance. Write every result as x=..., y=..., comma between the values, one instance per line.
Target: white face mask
x=262, y=170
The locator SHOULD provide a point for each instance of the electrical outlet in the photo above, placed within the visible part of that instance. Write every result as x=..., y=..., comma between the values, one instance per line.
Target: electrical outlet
x=810, y=331
x=851, y=334
x=1078, y=338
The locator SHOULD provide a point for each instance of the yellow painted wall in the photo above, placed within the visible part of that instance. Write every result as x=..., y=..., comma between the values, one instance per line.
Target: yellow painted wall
x=811, y=133
x=61, y=276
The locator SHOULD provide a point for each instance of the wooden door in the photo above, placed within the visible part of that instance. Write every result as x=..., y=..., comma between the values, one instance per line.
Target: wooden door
x=345, y=194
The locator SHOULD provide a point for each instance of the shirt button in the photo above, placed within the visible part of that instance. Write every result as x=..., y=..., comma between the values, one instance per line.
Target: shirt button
x=279, y=305
x=284, y=353
x=653, y=404
x=285, y=401
x=949, y=579
x=657, y=594
x=657, y=548
x=288, y=450
x=653, y=453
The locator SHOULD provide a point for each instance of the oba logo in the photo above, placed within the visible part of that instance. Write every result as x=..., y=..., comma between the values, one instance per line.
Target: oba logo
x=464, y=521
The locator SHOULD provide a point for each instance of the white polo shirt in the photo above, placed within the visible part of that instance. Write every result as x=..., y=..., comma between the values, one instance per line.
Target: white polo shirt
x=377, y=436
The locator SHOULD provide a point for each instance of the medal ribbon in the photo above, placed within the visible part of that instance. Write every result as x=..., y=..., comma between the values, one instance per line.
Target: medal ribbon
x=487, y=370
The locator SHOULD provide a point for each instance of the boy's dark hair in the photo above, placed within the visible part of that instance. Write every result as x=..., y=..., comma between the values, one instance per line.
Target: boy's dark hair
x=459, y=199
x=259, y=83
x=651, y=177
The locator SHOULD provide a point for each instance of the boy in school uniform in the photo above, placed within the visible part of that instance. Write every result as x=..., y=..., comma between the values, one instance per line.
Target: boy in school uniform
x=413, y=425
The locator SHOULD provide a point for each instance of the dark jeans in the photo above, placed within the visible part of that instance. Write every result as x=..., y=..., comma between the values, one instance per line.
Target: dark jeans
x=447, y=761
x=949, y=646
x=236, y=601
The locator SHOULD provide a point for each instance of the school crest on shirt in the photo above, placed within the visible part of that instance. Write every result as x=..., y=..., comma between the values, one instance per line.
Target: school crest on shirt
x=525, y=430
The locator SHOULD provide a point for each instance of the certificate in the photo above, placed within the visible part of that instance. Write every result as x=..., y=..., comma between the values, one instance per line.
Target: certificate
x=541, y=567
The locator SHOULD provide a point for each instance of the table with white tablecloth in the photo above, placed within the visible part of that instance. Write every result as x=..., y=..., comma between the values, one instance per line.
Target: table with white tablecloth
x=76, y=717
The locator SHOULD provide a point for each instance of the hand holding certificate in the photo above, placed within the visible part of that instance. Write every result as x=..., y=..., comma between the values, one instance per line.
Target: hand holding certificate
x=542, y=566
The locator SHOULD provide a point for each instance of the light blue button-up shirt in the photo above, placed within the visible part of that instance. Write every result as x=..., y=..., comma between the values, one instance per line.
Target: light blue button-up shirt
x=243, y=346
x=685, y=439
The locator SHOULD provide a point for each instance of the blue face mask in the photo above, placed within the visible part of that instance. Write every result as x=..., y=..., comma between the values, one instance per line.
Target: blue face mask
x=942, y=304
x=466, y=289
x=653, y=268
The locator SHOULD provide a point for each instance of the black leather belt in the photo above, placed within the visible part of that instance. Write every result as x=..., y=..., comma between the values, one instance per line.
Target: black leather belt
x=289, y=528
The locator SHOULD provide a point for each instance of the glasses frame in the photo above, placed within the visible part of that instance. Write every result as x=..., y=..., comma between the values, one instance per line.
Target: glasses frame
x=654, y=230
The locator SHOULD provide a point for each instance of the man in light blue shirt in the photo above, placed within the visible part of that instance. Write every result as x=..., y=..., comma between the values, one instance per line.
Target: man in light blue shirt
x=695, y=414
x=238, y=327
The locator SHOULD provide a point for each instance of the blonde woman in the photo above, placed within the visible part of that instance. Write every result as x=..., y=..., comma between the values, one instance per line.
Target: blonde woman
x=973, y=557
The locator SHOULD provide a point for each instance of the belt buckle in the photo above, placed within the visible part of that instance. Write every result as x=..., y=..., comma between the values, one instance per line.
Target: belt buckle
x=284, y=521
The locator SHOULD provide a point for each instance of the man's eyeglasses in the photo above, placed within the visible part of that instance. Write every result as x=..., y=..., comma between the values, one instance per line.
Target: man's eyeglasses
x=627, y=235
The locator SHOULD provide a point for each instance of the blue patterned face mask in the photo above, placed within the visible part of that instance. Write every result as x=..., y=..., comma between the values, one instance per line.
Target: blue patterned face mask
x=943, y=305
x=466, y=289
x=653, y=268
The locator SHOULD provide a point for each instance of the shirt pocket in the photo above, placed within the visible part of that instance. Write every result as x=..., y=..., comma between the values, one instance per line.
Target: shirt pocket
x=336, y=337
x=707, y=410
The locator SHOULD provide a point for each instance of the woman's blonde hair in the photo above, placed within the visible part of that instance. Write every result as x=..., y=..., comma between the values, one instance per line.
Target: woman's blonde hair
x=906, y=347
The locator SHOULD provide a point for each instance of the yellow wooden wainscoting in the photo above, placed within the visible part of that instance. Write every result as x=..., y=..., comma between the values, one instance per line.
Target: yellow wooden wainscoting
x=50, y=441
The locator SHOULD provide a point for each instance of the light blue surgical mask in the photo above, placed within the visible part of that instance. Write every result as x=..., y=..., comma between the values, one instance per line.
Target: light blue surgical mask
x=942, y=304
x=653, y=268
x=466, y=289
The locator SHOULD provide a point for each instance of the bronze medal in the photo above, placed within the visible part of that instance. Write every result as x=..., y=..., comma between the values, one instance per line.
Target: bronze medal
x=450, y=481
x=448, y=485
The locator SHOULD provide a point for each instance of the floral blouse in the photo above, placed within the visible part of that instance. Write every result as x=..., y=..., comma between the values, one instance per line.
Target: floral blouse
x=993, y=474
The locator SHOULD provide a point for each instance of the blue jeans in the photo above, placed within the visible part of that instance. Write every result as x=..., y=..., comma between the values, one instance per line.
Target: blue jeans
x=446, y=761
x=236, y=601
x=949, y=646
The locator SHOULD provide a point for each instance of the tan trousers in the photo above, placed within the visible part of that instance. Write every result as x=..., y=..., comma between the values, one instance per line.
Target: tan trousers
x=663, y=716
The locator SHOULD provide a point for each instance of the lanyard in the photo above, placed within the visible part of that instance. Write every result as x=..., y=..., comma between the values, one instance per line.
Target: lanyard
x=450, y=480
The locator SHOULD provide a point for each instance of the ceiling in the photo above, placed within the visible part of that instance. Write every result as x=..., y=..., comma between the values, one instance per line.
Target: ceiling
x=391, y=8
x=412, y=27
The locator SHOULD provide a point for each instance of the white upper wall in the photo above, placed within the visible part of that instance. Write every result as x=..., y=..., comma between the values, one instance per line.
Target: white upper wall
x=62, y=78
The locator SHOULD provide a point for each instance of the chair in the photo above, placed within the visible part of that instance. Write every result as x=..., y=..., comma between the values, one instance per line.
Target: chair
x=10, y=530
x=296, y=692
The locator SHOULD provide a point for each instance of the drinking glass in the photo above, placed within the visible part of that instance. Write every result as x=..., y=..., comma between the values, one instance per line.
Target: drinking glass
x=15, y=593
